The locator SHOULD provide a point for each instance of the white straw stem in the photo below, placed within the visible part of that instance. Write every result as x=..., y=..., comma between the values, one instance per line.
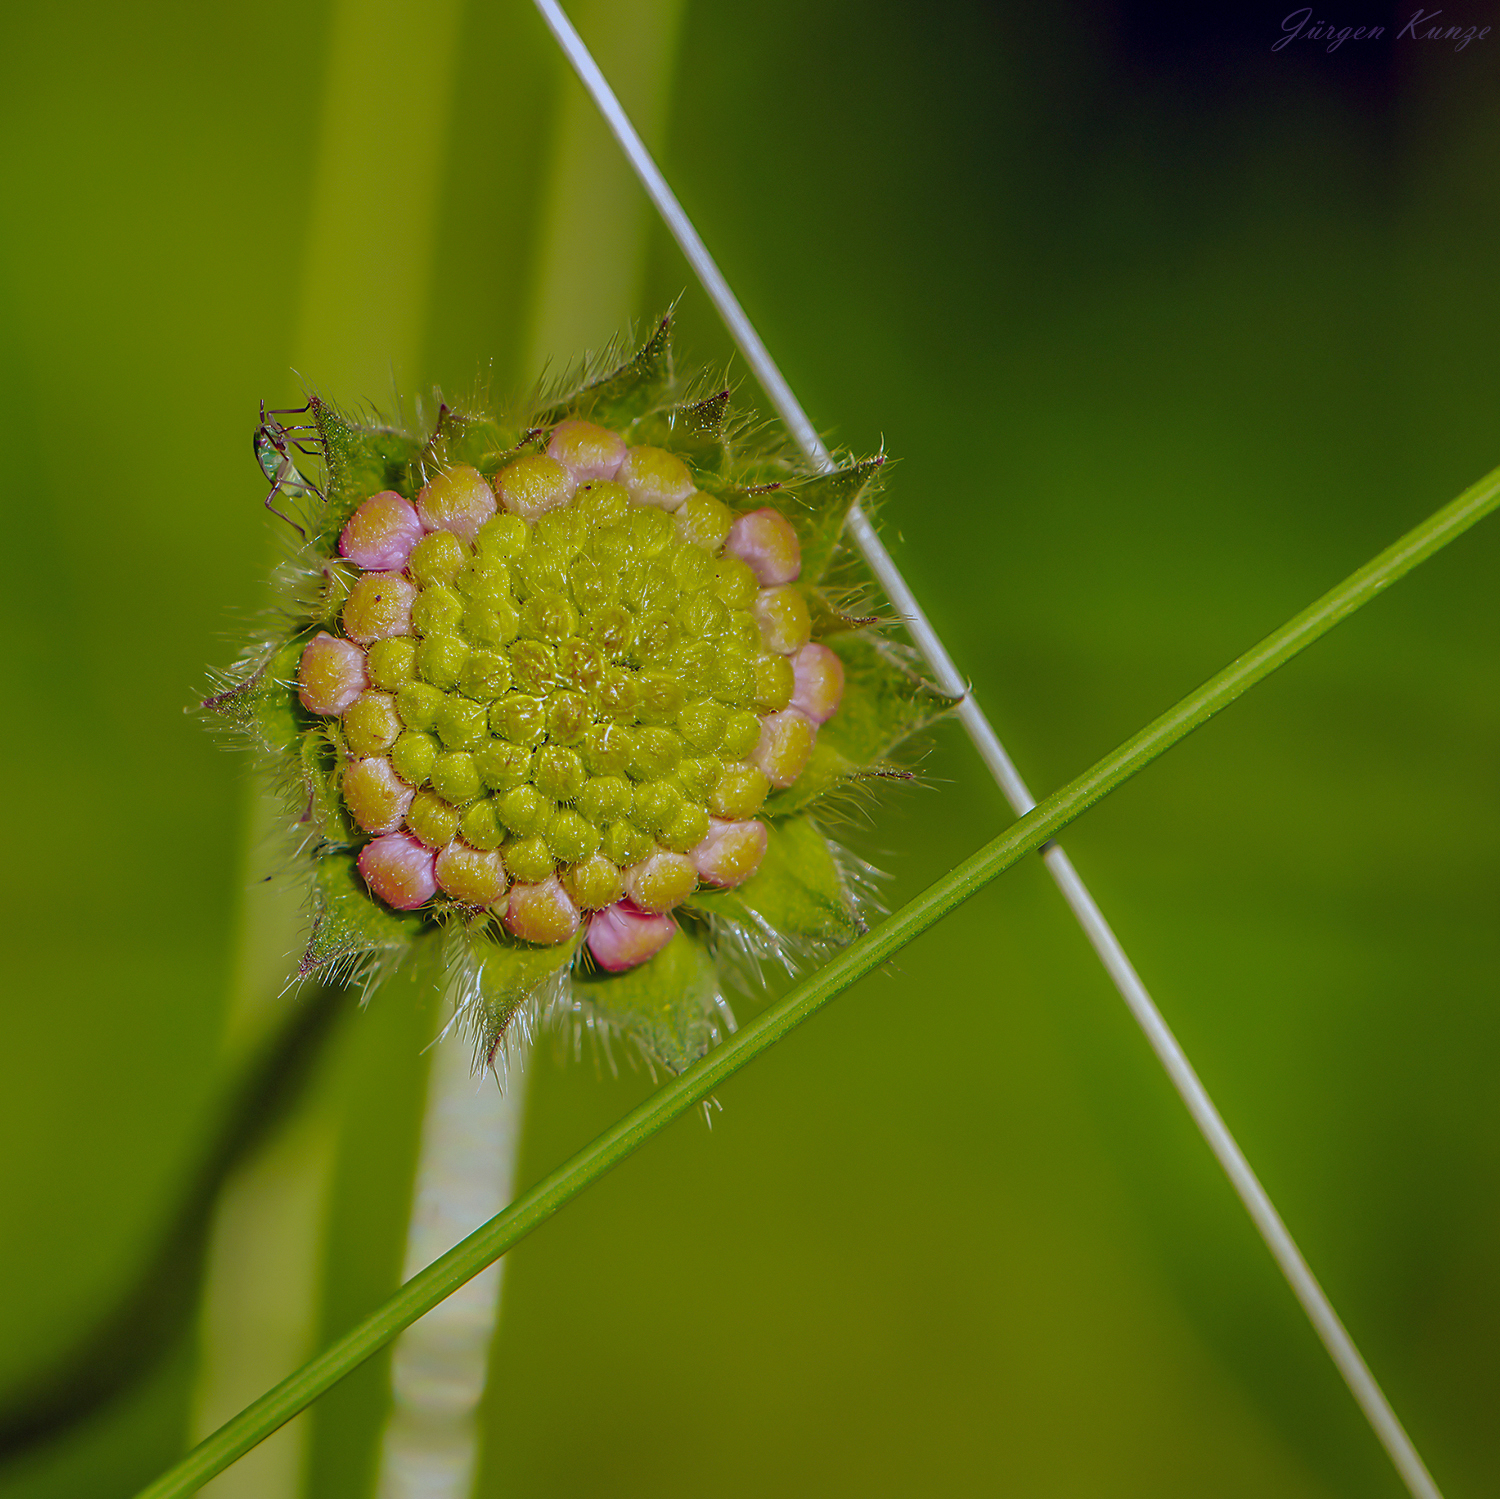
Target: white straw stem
x=1215, y=1132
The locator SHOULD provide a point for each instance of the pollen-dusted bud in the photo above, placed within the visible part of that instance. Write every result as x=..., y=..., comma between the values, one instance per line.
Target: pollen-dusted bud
x=458, y=500
x=470, y=875
x=331, y=675
x=785, y=624
x=589, y=451
x=819, y=678
x=531, y=486
x=655, y=477
x=380, y=535
x=786, y=745
x=378, y=607
x=399, y=870
x=594, y=883
x=660, y=881
x=541, y=912
x=765, y=541
x=730, y=853
x=622, y=936
x=376, y=796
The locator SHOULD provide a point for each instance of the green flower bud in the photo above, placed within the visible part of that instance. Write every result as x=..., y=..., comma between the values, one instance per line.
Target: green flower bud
x=533, y=485
x=774, y=682
x=541, y=912
x=656, y=753
x=741, y=792
x=593, y=587
x=495, y=625
x=548, y=616
x=735, y=583
x=441, y=659
x=660, y=881
x=689, y=567
x=700, y=775
x=455, y=777
x=562, y=532
x=568, y=717
x=393, y=662
x=705, y=615
x=594, y=883
x=520, y=719
x=437, y=610
x=432, y=819
x=437, y=558
x=603, y=504
x=376, y=797
x=504, y=538
x=533, y=666
x=413, y=756
x=475, y=877
x=704, y=522
x=502, y=765
x=656, y=804
x=486, y=581
x=785, y=624
x=624, y=843
x=529, y=859
x=741, y=735
x=611, y=629
x=378, y=607
x=686, y=830
x=617, y=696
x=580, y=665
x=608, y=748
x=485, y=676
x=419, y=704
x=459, y=500
x=702, y=724
x=647, y=588
x=540, y=571
x=371, y=725
x=606, y=799
x=462, y=724
x=559, y=772
x=655, y=477
x=481, y=826
x=525, y=811
x=656, y=637
x=571, y=837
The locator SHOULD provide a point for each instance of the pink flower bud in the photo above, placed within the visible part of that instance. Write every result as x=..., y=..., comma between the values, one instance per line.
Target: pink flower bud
x=731, y=853
x=588, y=451
x=623, y=936
x=399, y=870
x=331, y=675
x=381, y=533
x=766, y=542
x=654, y=477
x=541, y=913
x=819, y=676
x=459, y=500
x=376, y=796
x=786, y=745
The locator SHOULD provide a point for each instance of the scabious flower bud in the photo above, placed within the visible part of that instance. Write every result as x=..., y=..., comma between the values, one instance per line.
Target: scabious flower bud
x=766, y=543
x=459, y=500
x=541, y=913
x=330, y=675
x=819, y=682
x=730, y=853
x=381, y=533
x=399, y=870
x=623, y=936
x=590, y=452
x=654, y=477
x=559, y=680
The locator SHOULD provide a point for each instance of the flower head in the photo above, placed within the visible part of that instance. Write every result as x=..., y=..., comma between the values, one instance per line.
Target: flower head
x=575, y=688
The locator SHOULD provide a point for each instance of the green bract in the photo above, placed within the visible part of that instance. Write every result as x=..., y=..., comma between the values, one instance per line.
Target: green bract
x=572, y=688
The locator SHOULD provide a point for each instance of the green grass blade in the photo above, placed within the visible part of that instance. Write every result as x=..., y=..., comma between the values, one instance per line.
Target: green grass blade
x=487, y=1244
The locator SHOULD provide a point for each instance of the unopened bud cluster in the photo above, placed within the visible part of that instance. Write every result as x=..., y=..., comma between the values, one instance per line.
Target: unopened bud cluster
x=568, y=690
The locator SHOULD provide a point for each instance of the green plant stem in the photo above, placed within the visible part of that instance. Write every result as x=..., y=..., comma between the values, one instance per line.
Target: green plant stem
x=444, y=1276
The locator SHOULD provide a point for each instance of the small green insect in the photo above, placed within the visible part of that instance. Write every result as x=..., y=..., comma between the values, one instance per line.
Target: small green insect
x=273, y=452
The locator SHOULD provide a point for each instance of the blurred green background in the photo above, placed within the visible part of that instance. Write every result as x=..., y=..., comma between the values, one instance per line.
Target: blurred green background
x=1169, y=332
